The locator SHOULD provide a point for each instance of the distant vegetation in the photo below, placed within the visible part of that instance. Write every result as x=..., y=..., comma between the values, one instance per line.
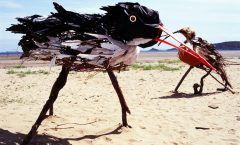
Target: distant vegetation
x=163, y=65
x=19, y=66
x=28, y=72
x=175, y=61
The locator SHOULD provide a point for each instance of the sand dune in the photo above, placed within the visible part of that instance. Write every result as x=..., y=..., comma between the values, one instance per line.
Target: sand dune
x=88, y=112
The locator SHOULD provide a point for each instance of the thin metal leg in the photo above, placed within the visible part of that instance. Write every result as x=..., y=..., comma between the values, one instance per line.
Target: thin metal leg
x=183, y=77
x=122, y=101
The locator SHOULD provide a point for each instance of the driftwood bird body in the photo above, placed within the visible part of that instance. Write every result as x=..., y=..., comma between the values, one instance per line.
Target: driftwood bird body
x=208, y=52
x=87, y=42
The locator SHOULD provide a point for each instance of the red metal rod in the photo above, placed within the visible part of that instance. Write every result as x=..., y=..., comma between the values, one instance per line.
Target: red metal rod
x=189, y=50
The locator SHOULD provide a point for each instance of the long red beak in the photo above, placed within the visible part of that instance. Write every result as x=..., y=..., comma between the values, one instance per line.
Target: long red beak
x=188, y=50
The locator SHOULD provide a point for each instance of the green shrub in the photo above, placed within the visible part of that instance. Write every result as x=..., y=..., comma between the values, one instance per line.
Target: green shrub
x=149, y=66
x=175, y=61
x=11, y=72
x=28, y=72
x=19, y=66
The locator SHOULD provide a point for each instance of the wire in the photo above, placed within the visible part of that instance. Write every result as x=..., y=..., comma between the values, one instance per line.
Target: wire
x=167, y=36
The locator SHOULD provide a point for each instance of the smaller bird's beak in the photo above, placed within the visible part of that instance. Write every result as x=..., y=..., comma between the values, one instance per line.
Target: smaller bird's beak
x=178, y=31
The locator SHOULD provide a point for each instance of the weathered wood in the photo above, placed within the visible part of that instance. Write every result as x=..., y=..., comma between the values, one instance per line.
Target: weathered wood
x=213, y=106
x=183, y=77
x=58, y=85
x=123, y=103
x=203, y=128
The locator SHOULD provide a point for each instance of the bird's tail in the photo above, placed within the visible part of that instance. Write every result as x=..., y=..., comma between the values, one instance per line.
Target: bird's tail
x=216, y=60
x=58, y=7
x=220, y=66
x=43, y=32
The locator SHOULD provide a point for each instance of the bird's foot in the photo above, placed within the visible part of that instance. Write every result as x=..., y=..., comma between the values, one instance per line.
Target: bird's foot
x=196, y=90
x=174, y=91
x=126, y=125
x=222, y=89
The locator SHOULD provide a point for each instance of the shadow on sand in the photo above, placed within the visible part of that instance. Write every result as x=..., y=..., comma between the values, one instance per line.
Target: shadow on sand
x=115, y=131
x=184, y=95
x=10, y=138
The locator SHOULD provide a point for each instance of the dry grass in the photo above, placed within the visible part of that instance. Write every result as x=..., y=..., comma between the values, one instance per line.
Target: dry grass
x=161, y=65
x=25, y=73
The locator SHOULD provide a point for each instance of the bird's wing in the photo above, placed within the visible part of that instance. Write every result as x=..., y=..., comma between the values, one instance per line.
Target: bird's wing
x=209, y=52
x=62, y=30
x=64, y=34
x=68, y=34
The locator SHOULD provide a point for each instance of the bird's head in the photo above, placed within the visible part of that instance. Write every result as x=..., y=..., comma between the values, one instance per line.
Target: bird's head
x=188, y=32
x=128, y=22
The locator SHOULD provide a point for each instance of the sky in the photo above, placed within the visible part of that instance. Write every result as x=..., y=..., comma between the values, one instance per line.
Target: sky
x=213, y=20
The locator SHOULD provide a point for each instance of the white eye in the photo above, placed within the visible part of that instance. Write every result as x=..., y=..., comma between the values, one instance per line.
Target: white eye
x=133, y=18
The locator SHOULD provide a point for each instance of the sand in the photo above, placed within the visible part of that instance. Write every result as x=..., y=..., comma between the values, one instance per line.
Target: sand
x=88, y=112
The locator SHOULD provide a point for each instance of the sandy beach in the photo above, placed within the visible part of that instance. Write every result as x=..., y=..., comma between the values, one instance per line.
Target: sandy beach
x=88, y=112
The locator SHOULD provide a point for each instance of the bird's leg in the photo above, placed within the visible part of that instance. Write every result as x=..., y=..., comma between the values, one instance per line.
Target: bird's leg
x=183, y=77
x=58, y=85
x=51, y=110
x=123, y=103
x=196, y=86
x=223, y=89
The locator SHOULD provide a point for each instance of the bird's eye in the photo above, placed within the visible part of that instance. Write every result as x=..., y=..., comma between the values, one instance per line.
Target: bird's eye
x=132, y=18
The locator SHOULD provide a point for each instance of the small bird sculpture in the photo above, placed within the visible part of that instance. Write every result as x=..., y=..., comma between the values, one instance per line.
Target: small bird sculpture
x=208, y=52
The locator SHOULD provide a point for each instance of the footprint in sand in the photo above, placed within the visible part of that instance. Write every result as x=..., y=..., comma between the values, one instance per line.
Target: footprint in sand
x=183, y=133
x=232, y=131
x=132, y=140
x=108, y=139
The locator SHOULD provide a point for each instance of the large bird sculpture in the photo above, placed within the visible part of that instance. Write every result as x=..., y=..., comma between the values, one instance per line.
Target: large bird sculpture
x=87, y=42
x=95, y=40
